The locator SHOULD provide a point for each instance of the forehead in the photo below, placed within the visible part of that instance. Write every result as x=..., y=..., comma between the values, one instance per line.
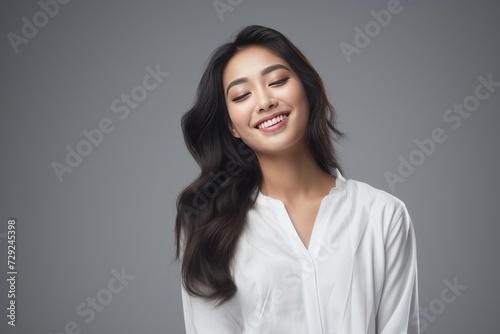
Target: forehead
x=249, y=62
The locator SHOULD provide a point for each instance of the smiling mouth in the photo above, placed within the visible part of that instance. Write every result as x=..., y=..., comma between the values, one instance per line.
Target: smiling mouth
x=272, y=122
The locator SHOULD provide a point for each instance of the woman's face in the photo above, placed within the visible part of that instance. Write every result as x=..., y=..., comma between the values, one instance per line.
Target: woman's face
x=266, y=101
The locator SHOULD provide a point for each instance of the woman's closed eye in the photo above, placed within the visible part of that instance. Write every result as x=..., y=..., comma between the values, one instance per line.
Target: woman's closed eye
x=274, y=83
x=239, y=98
x=279, y=82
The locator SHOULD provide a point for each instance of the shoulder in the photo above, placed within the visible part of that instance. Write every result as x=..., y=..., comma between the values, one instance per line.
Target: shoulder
x=379, y=204
x=376, y=197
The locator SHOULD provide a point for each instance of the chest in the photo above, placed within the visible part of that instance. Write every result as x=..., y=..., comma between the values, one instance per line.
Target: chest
x=276, y=277
x=303, y=216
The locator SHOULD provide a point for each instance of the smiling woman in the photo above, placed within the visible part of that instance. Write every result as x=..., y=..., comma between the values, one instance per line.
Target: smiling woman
x=268, y=96
x=284, y=243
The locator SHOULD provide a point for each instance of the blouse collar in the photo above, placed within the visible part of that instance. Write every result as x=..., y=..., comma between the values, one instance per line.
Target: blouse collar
x=340, y=183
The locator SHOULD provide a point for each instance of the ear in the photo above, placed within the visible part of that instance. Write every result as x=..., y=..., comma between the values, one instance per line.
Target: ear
x=233, y=131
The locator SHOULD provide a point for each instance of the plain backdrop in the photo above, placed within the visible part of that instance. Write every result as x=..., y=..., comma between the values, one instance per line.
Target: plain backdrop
x=115, y=210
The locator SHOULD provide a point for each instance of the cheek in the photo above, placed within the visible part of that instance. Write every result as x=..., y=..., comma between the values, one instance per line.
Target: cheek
x=238, y=117
x=298, y=98
x=295, y=94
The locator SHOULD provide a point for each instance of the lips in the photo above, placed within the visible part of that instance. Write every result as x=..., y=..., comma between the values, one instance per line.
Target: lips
x=272, y=120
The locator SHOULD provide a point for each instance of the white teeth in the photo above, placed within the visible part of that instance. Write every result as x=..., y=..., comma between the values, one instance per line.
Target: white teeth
x=273, y=121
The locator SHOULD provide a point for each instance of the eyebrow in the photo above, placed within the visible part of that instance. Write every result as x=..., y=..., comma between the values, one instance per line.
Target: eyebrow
x=265, y=71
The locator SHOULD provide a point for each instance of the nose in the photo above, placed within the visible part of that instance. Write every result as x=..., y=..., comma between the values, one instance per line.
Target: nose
x=265, y=100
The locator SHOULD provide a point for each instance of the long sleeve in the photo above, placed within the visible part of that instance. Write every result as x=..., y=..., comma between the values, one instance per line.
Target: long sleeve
x=188, y=312
x=398, y=309
x=202, y=317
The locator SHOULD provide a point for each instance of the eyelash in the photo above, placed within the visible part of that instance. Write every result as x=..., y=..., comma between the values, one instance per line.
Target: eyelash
x=278, y=82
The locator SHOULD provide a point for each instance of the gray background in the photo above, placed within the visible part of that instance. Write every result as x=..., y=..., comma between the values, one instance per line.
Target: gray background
x=116, y=209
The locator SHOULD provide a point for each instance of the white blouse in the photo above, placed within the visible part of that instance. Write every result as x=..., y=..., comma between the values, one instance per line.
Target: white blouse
x=358, y=275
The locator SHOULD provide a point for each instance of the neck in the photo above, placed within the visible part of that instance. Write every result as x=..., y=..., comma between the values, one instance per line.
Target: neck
x=294, y=176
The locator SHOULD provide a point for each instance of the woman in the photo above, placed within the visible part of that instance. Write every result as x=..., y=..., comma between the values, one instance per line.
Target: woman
x=271, y=237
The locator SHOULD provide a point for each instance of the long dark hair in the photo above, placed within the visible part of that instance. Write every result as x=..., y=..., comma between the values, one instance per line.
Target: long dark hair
x=211, y=211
